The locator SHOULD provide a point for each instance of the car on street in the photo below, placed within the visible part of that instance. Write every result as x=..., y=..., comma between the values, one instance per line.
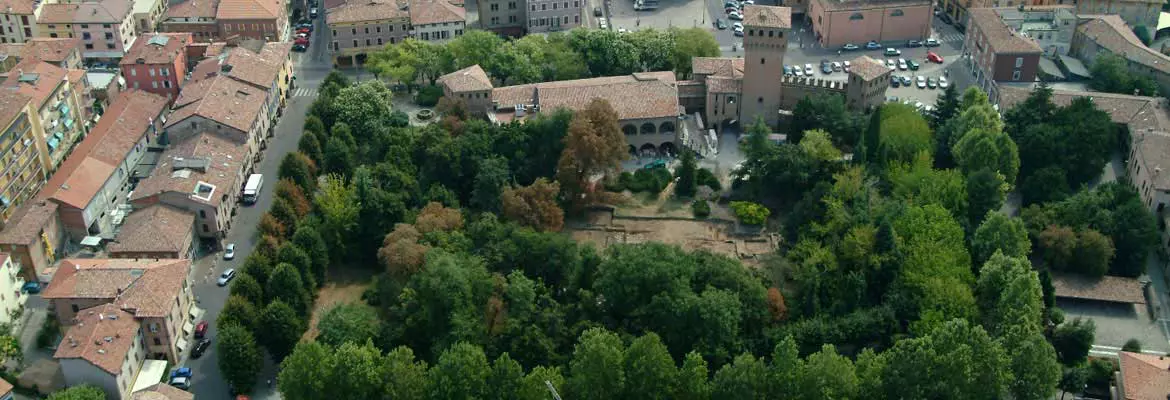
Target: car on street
x=305, y=30
x=302, y=36
x=730, y=3
x=836, y=66
x=597, y=11
x=796, y=70
x=902, y=64
x=730, y=10
x=737, y=26
x=808, y=69
x=738, y=32
x=300, y=48
x=200, y=348
x=749, y=2
x=181, y=382
x=906, y=81
x=734, y=15
x=913, y=43
x=895, y=81
x=305, y=25
x=913, y=65
x=892, y=52
x=921, y=82
x=201, y=329
x=934, y=58
x=720, y=23
x=31, y=287
x=301, y=41
x=229, y=251
x=931, y=83
x=226, y=277
x=826, y=67
x=872, y=45
x=942, y=82
x=891, y=64
x=849, y=47
x=181, y=372
x=313, y=12
x=932, y=42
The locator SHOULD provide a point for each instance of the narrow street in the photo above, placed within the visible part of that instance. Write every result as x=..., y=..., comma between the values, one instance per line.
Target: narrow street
x=310, y=69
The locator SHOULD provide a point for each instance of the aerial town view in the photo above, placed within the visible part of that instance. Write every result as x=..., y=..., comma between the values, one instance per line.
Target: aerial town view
x=584, y=199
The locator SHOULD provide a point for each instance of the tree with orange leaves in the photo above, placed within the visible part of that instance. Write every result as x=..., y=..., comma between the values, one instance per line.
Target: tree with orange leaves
x=534, y=205
x=594, y=146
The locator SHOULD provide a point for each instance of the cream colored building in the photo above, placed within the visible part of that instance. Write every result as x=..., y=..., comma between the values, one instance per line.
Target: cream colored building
x=12, y=298
x=362, y=27
x=18, y=20
x=436, y=21
x=22, y=173
x=60, y=97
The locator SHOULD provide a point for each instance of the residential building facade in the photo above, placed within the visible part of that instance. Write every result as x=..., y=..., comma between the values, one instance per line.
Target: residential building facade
x=1109, y=34
x=838, y=22
x=61, y=97
x=104, y=348
x=34, y=237
x=998, y=52
x=12, y=298
x=361, y=27
x=196, y=17
x=157, y=63
x=265, y=20
x=1135, y=13
x=18, y=21
x=436, y=20
x=23, y=172
x=105, y=27
x=506, y=17
x=203, y=174
x=147, y=14
x=553, y=15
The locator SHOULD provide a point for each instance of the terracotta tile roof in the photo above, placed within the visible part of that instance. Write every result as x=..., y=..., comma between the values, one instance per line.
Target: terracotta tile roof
x=225, y=163
x=191, y=9
x=99, y=12
x=1154, y=150
x=1138, y=112
x=155, y=229
x=92, y=162
x=5, y=387
x=103, y=337
x=249, y=9
x=1111, y=32
x=1144, y=376
x=721, y=84
x=468, y=79
x=18, y=6
x=25, y=224
x=162, y=391
x=691, y=89
x=57, y=13
x=639, y=95
x=717, y=66
x=143, y=287
x=767, y=16
x=157, y=48
x=368, y=10
x=426, y=12
x=841, y=5
x=222, y=99
x=47, y=77
x=1109, y=288
x=868, y=68
x=53, y=50
x=259, y=69
x=12, y=103
x=1000, y=37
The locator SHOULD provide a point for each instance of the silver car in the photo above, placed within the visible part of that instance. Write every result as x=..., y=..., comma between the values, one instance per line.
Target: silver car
x=226, y=277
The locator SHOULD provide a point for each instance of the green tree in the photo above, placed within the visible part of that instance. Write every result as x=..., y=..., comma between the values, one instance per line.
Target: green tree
x=239, y=357
x=982, y=149
x=348, y=323
x=411, y=60
x=505, y=379
x=310, y=146
x=649, y=370
x=290, y=253
x=901, y=134
x=946, y=107
x=828, y=113
x=238, y=311
x=1073, y=340
x=79, y=392
x=286, y=285
x=357, y=372
x=827, y=375
x=1111, y=74
x=686, y=175
x=339, y=210
x=818, y=145
x=1034, y=368
x=690, y=43
x=1088, y=137
x=535, y=384
x=296, y=166
x=279, y=329
x=338, y=157
x=461, y=373
x=605, y=52
x=692, y=383
x=1132, y=346
x=595, y=371
x=309, y=240
x=490, y=179
x=999, y=232
x=410, y=376
x=1093, y=253
x=987, y=191
x=364, y=107
x=475, y=47
x=246, y=287
x=1048, y=184
x=956, y=361
x=745, y=378
x=920, y=184
x=305, y=374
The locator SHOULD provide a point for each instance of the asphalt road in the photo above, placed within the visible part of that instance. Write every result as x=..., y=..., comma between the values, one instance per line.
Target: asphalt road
x=310, y=68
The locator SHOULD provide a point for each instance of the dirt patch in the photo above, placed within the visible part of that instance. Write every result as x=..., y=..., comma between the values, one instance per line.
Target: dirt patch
x=713, y=236
x=343, y=285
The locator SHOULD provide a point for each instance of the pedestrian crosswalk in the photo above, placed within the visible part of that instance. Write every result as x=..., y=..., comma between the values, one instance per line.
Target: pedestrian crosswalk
x=953, y=37
x=304, y=92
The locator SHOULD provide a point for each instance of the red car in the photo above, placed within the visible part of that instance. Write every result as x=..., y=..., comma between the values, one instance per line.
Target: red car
x=304, y=31
x=932, y=57
x=302, y=41
x=200, y=329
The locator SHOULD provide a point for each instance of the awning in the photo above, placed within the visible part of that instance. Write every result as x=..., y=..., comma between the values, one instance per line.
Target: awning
x=183, y=346
x=68, y=123
x=1048, y=67
x=53, y=142
x=1075, y=67
x=64, y=108
x=92, y=241
x=151, y=373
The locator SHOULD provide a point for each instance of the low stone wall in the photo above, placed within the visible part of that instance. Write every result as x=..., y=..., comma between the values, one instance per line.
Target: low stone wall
x=793, y=88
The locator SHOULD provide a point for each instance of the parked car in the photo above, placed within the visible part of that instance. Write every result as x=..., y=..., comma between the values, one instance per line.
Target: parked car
x=935, y=58
x=226, y=277
x=31, y=287
x=797, y=71
x=872, y=45
x=836, y=66
x=734, y=15
x=181, y=383
x=942, y=82
x=906, y=81
x=892, y=52
x=895, y=81
x=913, y=43
x=902, y=64
x=737, y=26
x=845, y=65
x=181, y=372
x=596, y=11
x=301, y=41
x=849, y=47
x=730, y=3
x=931, y=83
x=305, y=31
x=808, y=69
x=313, y=12
x=932, y=42
x=229, y=251
x=826, y=68
x=738, y=32
x=720, y=23
x=913, y=65
x=921, y=82
x=300, y=48
x=891, y=64
x=730, y=10
x=200, y=329
x=200, y=348
x=787, y=70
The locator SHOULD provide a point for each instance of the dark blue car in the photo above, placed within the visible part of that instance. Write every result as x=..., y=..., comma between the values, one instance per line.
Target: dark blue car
x=182, y=372
x=31, y=287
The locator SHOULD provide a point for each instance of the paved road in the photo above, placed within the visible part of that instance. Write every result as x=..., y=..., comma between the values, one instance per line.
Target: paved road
x=310, y=69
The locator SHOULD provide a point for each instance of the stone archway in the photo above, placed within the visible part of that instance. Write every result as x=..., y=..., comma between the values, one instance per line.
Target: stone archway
x=629, y=130
x=666, y=128
x=648, y=150
x=668, y=149
x=648, y=128
x=633, y=150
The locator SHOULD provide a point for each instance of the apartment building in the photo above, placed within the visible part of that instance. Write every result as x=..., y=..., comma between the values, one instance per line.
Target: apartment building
x=18, y=21
x=362, y=27
x=157, y=64
x=12, y=298
x=202, y=174
x=147, y=14
x=264, y=66
x=156, y=231
x=34, y=236
x=106, y=27
x=998, y=52
x=1135, y=13
x=517, y=17
x=505, y=17
x=104, y=348
x=23, y=172
x=97, y=176
x=62, y=52
x=1109, y=34
x=436, y=20
x=837, y=22
x=553, y=15
x=196, y=17
x=61, y=97
x=265, y=20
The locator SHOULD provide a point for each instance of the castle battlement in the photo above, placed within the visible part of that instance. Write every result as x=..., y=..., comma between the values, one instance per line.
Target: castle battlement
x=814, y=83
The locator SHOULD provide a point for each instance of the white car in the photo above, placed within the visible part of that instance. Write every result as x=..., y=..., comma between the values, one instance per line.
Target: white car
x=797, y=71
x=737, y=26
x=229, y=251
x=622, y=30
x=735, y=15
x=226, y=277
x=808, y=69
x=845, y=65
x=942, y=82
x=836, y=66
x=921, y=82
x=891, y=64
x=902, y=64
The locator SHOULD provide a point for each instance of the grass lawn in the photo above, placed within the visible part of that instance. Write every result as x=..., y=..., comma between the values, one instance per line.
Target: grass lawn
x=343, y=285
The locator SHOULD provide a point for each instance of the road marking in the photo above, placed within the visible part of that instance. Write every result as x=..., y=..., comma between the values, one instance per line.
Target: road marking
x=304, y=92
x=1110, y=350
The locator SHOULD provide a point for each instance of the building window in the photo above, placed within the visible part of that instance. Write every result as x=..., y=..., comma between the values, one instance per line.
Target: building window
x=355, y=43
x=379, y=41
x=760, y=100
x=84, y=26
x=897, y=13
x=133, y=71
x=154, y=84
x=167, y=84
x=543, y=7
x=204, y=228
x=511, y=5
x=157, y=342
x=1016, y=75
x=1019, y=62
x=367, y=30
x=378, y=29
x=554, y=6
x=353, y=31
x=534, y=7
x=761, y=60
x=86, y=36
x=89, y=46
x=367, y=42
x=107, y=26
x=109, y=35
x=73, y=307
x=855, y=16
x=111, y=46
x=495, y=7
x=334, y=32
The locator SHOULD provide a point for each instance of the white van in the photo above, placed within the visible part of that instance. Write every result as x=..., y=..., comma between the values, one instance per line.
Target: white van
x=252, y=188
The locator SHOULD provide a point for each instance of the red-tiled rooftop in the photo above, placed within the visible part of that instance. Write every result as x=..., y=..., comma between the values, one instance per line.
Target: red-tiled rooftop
x=192, y=9
x=25, y=224
x=427, y=12
x=760, y=16
x=155, y=229
x=102, y=336
x=54, y=50
x=157, y=48
x=472, y=78
x=1113, y=289
x=1144, y=376
x=143, y=287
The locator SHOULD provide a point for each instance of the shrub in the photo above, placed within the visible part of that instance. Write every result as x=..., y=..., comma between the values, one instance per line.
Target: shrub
x=48, y=333
x=428, y=96
x=700, y=208
x=706, y=178
x=1132, y=346
x=750, y=213
x=647, y=180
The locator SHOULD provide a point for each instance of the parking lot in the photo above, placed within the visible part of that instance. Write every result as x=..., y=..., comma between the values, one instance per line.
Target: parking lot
x=680, y=13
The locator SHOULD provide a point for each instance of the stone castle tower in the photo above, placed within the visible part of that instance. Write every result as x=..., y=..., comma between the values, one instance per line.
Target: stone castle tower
x=765, y=40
